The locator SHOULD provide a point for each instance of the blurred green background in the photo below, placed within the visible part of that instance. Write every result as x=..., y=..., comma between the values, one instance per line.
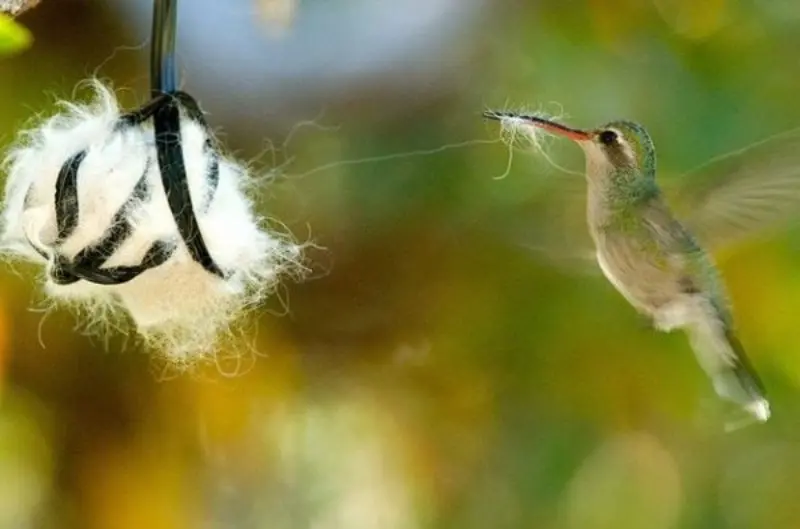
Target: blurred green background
x=432, y=372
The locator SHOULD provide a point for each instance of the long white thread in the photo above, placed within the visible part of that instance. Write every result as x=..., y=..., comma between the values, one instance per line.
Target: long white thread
x=395, y=156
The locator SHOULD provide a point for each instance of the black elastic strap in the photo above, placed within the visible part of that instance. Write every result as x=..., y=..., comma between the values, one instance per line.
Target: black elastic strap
x=66, y=197
x=63, y=272
x=176, y=186
x=142, y=114
x=96, y=254
x=88, y=263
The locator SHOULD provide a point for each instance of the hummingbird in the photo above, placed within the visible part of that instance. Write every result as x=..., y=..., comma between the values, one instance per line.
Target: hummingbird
x=653, y=259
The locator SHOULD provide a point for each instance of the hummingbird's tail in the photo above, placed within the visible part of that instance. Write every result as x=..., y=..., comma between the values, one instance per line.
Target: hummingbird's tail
x=722, y=356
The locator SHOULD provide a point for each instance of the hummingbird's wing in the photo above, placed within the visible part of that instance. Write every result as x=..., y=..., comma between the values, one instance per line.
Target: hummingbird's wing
x=550, y=224
x=743, y=193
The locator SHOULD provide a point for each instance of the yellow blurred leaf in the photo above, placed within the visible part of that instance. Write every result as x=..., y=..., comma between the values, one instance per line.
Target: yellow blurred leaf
x=13, y=37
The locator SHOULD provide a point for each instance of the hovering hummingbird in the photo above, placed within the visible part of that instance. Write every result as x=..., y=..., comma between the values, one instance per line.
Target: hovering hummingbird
x=654, y=259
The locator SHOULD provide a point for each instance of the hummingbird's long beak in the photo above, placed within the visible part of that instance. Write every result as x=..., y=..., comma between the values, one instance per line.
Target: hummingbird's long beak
x=549, y=126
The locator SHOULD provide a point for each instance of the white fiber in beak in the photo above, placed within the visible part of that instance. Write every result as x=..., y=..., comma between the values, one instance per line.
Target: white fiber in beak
x=518, y=132
x=178, y=307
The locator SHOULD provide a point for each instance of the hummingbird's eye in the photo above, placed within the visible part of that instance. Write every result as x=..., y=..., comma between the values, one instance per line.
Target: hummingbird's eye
x=608, y=137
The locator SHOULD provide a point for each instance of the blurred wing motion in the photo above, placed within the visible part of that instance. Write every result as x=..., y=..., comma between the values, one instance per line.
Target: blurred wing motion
x=741, y=194
x=551, y=225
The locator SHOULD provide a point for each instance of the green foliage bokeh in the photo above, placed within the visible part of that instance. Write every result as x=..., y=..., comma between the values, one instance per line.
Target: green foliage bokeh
x=434, y=372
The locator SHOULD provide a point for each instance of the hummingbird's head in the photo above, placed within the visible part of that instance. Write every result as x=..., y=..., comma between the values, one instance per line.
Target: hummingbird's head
x=621, y=145
x=617, y=145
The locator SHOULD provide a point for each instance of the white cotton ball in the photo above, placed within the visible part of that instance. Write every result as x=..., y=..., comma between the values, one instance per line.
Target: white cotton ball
x=177, y=306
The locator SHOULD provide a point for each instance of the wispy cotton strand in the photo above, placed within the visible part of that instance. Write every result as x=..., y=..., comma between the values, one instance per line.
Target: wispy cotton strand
x=518, y=133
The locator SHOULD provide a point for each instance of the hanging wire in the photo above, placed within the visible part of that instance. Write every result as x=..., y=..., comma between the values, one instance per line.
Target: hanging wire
x=163, y=68
x=167, y=124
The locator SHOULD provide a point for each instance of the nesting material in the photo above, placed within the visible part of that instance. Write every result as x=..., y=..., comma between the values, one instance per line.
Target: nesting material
x=17, y=7
x=518, y=133
x=177, y=306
